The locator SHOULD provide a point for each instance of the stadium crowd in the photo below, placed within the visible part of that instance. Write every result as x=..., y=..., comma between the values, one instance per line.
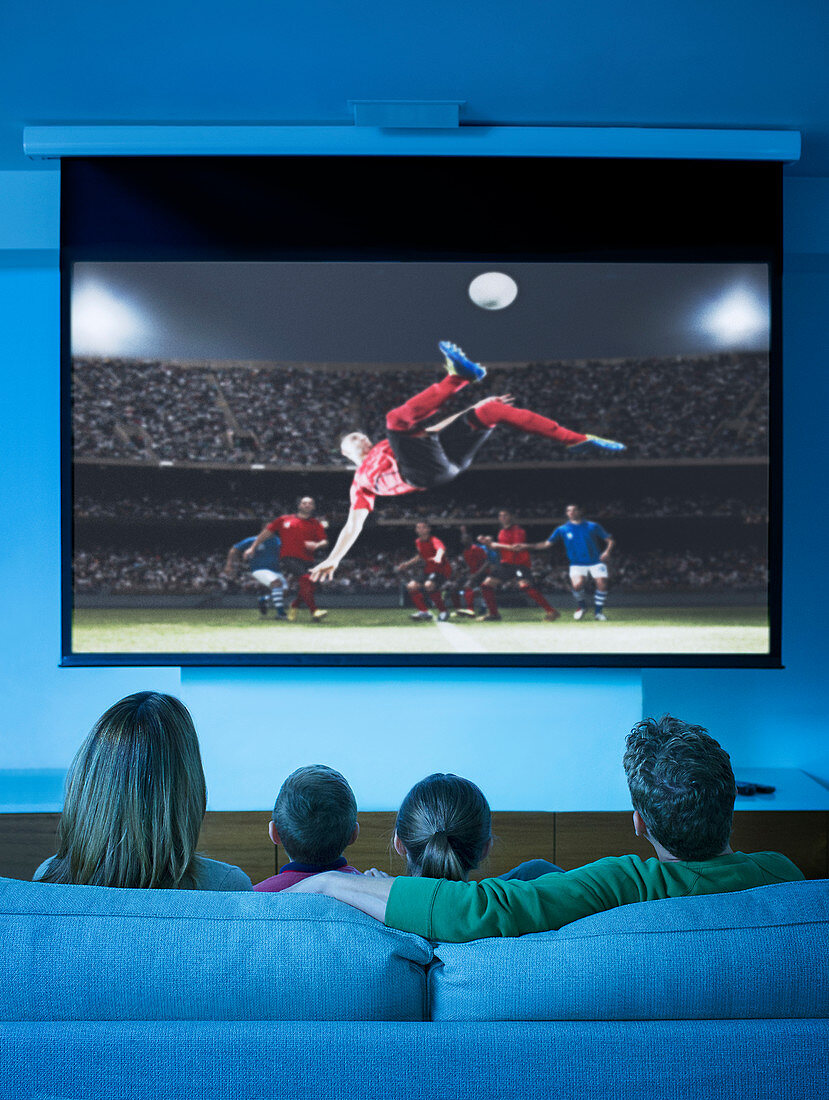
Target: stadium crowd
x=287, y=415
x=104, y=571
x=414, y=507
x=644, y=507
x=178, y=508
x=109, y=572
x=655, y=571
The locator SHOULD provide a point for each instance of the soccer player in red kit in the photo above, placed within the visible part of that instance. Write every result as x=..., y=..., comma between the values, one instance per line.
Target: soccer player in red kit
x=301, y=536
x=514, y=565
x=414, y=457
x=478, y=565
x=437, y=570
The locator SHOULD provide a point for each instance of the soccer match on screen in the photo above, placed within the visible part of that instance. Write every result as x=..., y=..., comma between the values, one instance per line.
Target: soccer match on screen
x=446, y=458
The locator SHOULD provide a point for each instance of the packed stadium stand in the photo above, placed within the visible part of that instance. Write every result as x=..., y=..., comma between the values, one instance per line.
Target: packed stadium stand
x=452, y=510
x=105, y=571
x=289, y=415
x=174, y=462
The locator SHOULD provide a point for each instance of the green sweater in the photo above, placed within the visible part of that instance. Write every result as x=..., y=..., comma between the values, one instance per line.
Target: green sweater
x=456, y=912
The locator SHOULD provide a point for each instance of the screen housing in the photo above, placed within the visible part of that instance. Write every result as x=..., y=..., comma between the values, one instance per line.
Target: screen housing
x=486, y=210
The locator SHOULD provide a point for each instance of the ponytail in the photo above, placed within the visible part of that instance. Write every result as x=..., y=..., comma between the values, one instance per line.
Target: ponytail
x=444, y=824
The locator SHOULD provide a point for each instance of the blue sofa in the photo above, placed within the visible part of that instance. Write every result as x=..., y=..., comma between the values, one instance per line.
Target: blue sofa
x=164, y=994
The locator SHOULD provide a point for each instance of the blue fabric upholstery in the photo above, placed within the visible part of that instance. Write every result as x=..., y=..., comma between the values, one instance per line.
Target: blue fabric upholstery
x=167, y=995
x=88, y=952
x=201, y=1060
x=754, y=954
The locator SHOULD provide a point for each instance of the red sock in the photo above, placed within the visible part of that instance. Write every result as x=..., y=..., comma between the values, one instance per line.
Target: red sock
x=489, y=599
x=534, y=594
x=418, y=601
x=437, y=600
x=456, y=598
x=496, y=412
x=423, y=405
x=469, y=597
x=306, y=591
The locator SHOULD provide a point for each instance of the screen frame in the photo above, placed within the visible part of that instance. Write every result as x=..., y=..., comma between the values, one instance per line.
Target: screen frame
x=121, y=238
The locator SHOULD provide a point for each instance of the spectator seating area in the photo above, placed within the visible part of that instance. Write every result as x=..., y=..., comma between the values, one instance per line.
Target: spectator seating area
x=413, y=508
x=110, y=572
x=292, y=415
x=155, y=531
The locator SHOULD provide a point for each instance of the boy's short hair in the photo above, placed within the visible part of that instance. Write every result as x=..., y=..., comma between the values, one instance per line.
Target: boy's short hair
x=315, y=814
x=682, y=784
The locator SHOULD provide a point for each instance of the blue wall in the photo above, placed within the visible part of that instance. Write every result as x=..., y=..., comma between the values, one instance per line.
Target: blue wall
x=748, y=64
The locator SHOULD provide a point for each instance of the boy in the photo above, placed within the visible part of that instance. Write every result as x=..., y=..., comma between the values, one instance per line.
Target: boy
x=314, y=819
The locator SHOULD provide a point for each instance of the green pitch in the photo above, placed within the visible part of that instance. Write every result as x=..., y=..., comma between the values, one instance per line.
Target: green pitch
x=391, y=632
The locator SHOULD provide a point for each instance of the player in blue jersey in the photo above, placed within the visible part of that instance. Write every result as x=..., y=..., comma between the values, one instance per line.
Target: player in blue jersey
x=264, y=568
x=581, y=539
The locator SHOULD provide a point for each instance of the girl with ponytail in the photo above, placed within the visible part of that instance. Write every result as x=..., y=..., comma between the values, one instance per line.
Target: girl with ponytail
x=443, y=828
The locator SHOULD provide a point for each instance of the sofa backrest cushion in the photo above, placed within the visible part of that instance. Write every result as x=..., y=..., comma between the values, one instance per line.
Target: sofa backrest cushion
x=761, y=953
x=94, y=953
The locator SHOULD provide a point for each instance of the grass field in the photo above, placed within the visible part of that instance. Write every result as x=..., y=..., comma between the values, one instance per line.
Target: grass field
x=390, y=632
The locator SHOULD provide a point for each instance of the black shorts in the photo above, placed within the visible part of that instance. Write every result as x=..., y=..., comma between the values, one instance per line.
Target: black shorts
x=429, y=459
x=440, y=580
x=506, y=571
x=295, y=567
x=473, y=580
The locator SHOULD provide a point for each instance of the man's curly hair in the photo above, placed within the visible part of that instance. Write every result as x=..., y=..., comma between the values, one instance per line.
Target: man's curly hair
x=682, y=784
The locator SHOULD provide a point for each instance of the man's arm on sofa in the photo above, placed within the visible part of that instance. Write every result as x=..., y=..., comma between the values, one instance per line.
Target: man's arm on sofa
x=362, y=891
x=456, y=912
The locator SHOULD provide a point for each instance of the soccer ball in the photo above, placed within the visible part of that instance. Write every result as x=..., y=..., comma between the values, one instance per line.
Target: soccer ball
x=493, y=290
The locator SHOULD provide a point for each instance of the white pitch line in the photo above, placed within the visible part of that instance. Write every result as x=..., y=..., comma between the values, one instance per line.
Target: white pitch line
x=453, y=635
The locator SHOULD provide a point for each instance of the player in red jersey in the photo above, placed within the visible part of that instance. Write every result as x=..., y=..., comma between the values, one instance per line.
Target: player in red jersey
x=302, y=536
x=478, y=565
x=515, y=565
x=414, y=457
x=431, y=553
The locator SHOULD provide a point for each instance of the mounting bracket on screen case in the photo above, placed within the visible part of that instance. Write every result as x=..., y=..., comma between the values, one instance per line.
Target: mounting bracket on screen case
x=407, y=114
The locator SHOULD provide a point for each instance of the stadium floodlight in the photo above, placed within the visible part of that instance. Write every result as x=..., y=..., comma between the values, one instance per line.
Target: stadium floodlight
x=737, y=319
x=102, y=322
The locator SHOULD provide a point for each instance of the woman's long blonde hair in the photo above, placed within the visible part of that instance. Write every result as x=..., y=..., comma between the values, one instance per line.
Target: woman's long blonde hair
x=135, y=799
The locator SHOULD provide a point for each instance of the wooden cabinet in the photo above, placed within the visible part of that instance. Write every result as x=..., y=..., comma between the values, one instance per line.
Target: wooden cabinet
x=568, y=839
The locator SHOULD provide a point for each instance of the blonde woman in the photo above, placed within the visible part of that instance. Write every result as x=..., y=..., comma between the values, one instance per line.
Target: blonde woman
x=135, y=800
